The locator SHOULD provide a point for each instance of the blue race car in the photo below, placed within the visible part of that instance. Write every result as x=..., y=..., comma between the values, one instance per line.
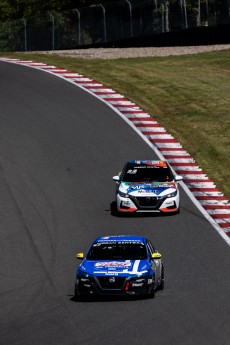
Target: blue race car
x=120, y=265
x=147, y=186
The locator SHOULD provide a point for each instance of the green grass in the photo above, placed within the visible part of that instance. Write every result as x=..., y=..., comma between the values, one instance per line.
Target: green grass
x=189, y=95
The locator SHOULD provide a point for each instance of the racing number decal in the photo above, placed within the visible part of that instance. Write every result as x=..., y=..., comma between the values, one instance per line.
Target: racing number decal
x=132, y=171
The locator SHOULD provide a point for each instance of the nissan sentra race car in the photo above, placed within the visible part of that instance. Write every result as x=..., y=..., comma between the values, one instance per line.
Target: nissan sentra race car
x=119, y=265
x=147, y=186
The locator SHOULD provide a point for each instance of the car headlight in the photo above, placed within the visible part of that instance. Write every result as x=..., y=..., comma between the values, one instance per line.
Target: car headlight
x=123, y=195
x=171, y=195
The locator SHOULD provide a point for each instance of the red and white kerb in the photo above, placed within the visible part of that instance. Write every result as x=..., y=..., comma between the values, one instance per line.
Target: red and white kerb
x=209, y=199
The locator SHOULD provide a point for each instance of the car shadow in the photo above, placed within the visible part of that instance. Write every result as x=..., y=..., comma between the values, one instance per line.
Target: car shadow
x=90, y=299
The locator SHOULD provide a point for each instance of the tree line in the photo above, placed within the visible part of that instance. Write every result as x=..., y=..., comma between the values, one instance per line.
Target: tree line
x=15, y=9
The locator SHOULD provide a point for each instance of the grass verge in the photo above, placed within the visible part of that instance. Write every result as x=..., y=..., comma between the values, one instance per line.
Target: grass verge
x=188, y=95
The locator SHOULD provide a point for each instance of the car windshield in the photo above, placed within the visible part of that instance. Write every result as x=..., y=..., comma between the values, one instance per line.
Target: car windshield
x=117, y=251
x=144, y=174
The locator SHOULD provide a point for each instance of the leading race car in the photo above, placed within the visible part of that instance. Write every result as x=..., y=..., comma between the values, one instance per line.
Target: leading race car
x=120, y=265
x=147, y=186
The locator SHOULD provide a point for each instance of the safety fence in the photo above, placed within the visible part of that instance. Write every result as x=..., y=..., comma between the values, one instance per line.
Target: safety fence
x=110, y=22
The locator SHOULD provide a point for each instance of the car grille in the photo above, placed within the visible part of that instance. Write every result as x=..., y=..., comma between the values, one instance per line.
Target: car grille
x=148, y=202
x=110, y=282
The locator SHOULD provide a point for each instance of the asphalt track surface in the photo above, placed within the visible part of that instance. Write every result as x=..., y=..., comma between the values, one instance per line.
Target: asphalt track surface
x=59, y=148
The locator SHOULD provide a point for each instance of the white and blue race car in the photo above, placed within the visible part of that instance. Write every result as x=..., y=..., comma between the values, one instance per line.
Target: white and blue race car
x=119, y=265
x=147, y=186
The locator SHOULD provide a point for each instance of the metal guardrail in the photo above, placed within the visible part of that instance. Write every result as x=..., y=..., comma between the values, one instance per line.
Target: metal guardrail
x=110, y=22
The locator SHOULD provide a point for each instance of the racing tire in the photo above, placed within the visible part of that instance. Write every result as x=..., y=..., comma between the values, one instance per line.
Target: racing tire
x=77, y=297
x=178, y=210
x=151, y=293
x=161, y=286
x=114, y=210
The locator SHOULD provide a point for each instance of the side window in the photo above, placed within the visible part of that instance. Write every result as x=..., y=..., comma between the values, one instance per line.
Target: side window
x=150, y=248
x=122, y=173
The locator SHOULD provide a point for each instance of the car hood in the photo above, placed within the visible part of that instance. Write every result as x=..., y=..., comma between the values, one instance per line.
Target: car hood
x=116, y=267
x=148, y=188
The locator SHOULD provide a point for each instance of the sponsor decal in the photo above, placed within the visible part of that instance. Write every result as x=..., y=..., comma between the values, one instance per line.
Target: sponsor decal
x=155, y=163
x=148, y=191
x=144, y=184
x=113, y=264
x=107, y=237
x=127, y=241
x=150, y=188
x=110, y=273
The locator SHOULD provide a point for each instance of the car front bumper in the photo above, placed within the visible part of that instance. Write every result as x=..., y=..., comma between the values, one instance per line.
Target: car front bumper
x=147, y=204
x=120, y=287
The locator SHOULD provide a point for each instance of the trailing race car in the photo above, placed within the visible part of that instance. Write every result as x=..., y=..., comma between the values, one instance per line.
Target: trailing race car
x=147, y=186
x=120, y=265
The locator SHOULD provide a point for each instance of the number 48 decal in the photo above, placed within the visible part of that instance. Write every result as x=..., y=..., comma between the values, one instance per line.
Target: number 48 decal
x=132, y=171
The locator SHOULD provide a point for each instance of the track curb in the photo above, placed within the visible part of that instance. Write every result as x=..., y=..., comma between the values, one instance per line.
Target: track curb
x=201, y=190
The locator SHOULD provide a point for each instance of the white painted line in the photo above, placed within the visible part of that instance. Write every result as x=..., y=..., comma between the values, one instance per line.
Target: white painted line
x=103, y=90
x=169, y=145
x=221, y=211
x=159, y=136
x=122, y=103
x=73, y=75
x=201, y=185
x=145, y=121
x=180, y=160
x=87, y=84
x=151, y=130
x=175, y=153
x=45, y=66
x=81, y=79
x=208, y=194
x=133, y=109
x=114, y=95
x=214, y=202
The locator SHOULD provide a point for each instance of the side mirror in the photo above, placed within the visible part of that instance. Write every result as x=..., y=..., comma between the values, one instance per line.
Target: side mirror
x=80, y=256
x=156, y=256
x=116, y=178
x=178, y=178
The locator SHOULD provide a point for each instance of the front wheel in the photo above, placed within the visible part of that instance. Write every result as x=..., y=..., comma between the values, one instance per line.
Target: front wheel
x=161, y=286
x=178, y=210
x=77, y=296
x=151, y=292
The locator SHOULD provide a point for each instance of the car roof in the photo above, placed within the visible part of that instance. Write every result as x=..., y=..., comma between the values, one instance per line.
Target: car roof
x=121, y=238
x=159, y=163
